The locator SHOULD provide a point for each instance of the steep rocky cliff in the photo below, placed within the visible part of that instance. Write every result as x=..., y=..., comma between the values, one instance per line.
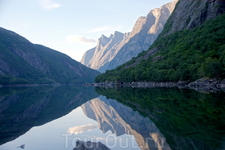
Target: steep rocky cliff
x=120, y=119
x=33, y=63
x=105, y=53
x=87, y=56
x=192, y=13
x=144, y=33
x=107, y=47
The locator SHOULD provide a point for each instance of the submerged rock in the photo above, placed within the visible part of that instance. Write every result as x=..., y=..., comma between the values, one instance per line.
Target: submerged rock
x=81, y=145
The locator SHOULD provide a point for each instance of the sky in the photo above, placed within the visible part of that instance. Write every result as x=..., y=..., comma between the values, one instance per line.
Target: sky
x=72, y=26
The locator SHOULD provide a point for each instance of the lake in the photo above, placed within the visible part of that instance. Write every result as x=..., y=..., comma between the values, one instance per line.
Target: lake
x=139, y=119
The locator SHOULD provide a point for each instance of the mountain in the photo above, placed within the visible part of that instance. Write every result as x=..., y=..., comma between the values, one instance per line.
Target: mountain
x=193, y=13
x=24, y=62
x=87, y=56
x=107, y=47
x=144, y=33
x=120, y=119
x=190, y=47
x=23, y=108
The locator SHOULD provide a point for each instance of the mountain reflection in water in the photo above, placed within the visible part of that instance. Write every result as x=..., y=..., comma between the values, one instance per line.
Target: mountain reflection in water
x=157, y=119
x=188, y=119
x=121, y=119
x=23, y=108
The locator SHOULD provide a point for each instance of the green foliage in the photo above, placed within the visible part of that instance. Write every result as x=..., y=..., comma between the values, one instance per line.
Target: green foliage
x=211, y=67
x=188, y=119
x=185, y=55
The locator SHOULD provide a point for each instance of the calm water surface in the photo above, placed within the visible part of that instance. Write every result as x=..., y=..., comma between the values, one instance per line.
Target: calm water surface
x=160, y=119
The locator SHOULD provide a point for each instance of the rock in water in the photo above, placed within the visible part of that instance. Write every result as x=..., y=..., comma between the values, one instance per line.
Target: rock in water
x=22, y=146
x=81, y=145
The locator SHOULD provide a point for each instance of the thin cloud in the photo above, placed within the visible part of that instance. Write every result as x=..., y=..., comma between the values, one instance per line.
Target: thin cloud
x=49, y=4
x=79, y=39
x=81, y=129
x=105, y=28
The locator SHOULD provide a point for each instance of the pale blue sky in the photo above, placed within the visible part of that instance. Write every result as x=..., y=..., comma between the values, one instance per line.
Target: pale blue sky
x=72, y=26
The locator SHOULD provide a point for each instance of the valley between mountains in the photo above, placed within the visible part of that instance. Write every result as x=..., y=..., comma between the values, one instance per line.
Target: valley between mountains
x=180, y=41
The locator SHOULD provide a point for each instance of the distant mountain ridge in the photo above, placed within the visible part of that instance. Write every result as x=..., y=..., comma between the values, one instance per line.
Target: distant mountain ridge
x=128, y=45
x=24, y=62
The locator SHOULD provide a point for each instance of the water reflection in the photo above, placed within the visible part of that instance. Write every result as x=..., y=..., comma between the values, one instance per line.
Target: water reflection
x=81, y=129
x=120, y=119
x=50, y=118
x=188, y=119
x=148, y=119
x=23, y=108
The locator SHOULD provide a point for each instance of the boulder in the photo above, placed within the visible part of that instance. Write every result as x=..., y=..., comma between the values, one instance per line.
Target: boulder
x=81, y=145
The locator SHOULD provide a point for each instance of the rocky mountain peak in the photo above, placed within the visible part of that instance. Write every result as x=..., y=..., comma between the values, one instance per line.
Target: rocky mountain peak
x=119, y=48
x=138, y=25
x=144, y=33
x=104, y=51
x=161, y=15
x=170, y=6
x=103, y=40
x=117, y=34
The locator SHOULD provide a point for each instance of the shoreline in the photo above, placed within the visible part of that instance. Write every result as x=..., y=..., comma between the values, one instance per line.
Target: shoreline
x=203, y=85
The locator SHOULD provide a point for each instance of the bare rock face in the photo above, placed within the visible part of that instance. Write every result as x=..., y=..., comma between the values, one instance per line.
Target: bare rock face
x=144, y=33
x=187, y=15
x=122, y=47
x=87, y=56
x=106, y=49
x=192, y=13
x=80, y=145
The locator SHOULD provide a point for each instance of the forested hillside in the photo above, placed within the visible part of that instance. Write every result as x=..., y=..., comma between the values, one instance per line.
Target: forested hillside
x=188, y=53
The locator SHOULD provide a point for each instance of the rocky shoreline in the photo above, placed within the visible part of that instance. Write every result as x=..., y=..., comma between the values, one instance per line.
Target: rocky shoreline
x=205, y=85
